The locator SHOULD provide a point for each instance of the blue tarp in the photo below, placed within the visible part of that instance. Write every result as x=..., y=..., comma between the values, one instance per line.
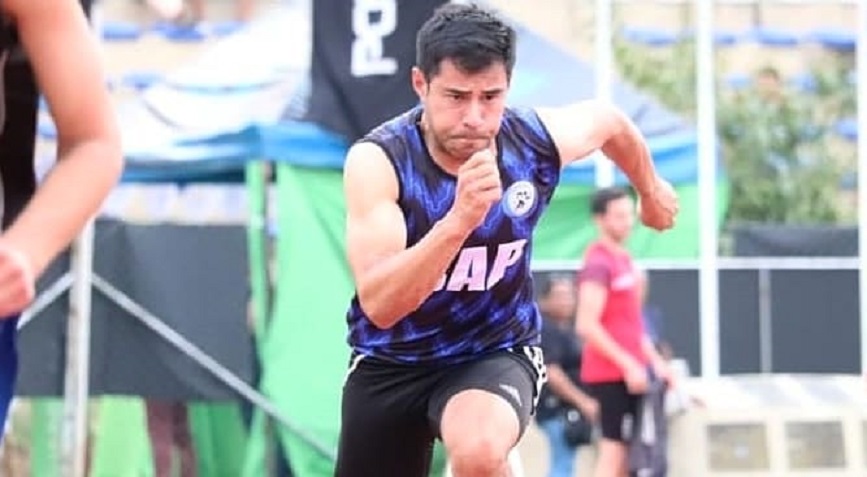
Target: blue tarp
x=205, y=121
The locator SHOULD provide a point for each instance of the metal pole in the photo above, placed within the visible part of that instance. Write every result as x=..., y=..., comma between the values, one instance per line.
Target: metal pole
x=766, y=326
x=73, y=435
x=76, y=383
x=44, y=300
x=707, y=163
x=862, y=176
x=604, y=66
x=206, y=361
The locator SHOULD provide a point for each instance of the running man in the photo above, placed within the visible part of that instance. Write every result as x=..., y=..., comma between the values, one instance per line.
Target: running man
x=64, y=55
x=442, y=202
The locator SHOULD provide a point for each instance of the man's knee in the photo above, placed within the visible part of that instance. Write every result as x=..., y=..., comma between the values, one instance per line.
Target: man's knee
x=479, y=430
x=612, y=459
x=477, y=456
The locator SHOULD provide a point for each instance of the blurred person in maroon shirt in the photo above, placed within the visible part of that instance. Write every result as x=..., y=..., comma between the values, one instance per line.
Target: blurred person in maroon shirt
x=618, y=354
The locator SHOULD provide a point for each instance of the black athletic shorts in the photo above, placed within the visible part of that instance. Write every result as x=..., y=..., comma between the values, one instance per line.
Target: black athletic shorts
x=391, y=412
x=617, y=409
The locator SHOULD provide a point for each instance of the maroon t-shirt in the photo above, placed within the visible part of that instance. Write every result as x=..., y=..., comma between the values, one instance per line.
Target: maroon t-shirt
x=621, y=314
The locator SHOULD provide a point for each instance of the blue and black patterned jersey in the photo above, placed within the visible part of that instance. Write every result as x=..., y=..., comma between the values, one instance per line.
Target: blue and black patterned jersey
x=485, y=301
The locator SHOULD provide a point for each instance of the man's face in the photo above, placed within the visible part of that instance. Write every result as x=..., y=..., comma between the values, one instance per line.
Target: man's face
x=618, y=219
x=463, y=110
x=559, y=304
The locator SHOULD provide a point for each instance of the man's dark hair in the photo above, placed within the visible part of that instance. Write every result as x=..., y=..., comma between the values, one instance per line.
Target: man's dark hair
x=544, y=283
x=603, y=197
x=473, y=37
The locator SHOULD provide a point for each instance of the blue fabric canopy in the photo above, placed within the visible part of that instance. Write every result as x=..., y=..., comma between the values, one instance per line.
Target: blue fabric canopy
x=237, y=103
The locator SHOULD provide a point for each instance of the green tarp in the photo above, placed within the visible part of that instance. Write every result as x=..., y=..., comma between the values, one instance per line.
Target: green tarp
x=121, y=448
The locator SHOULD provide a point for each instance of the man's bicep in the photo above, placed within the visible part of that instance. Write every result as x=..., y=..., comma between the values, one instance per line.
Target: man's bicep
x=375, y=228
x=591, y=301
x=579, y=129
x=374, y=236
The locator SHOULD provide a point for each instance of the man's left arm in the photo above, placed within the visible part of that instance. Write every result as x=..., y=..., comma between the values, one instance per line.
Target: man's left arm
x=650, y=351
x=659, y=364
x=582, y=128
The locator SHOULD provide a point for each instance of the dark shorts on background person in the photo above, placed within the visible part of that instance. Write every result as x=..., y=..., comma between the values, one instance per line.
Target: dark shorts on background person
x=617, y=409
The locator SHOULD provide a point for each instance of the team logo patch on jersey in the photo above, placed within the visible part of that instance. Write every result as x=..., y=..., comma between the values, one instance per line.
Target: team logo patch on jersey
x=519, y=199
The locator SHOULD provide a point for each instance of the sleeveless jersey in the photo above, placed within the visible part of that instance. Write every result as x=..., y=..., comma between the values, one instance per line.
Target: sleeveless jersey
x=485, y=301
x=19, y=98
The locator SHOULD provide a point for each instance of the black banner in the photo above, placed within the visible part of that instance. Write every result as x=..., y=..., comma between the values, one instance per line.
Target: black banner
x=363, y=52
x=782, y=240
x=18, y=139
x=193, y=278
x=813, y=316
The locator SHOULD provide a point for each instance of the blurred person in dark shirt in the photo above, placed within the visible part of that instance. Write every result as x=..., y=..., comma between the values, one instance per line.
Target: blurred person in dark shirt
x=563, y=393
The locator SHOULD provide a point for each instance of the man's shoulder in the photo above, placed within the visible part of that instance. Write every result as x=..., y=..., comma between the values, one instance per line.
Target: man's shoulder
x=595, y=250
x=392, y=139
x=521, y=115
x=398, y=126
x=597, y=257
x=525, y=125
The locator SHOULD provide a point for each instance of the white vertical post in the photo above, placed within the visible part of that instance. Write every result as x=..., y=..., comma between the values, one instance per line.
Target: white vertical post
x=707, y=185
x=604, y=66
x=766, y=327
x=77, y=378
x=862, y=176
x=74, y=431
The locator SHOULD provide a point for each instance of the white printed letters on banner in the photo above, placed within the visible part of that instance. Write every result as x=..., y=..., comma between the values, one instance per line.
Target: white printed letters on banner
x=372, y=22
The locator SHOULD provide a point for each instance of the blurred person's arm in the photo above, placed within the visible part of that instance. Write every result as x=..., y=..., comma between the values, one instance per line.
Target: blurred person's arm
x=593, y=287
x=659, y=364
x=560, y=382
x=592, y=294
x=64, y=54
x=563, y=387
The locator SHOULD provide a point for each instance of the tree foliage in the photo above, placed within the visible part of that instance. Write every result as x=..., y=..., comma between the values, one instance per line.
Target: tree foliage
x=783, y=158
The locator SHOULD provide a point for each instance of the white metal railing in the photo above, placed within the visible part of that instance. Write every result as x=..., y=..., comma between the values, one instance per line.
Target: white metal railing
x=764, y=267
x=723, y=263
x=763, y=3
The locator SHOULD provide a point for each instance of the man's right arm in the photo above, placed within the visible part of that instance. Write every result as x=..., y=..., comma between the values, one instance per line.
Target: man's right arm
x=560, y=382
x=592, y=294
x=568, y=391
x=391, y=280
